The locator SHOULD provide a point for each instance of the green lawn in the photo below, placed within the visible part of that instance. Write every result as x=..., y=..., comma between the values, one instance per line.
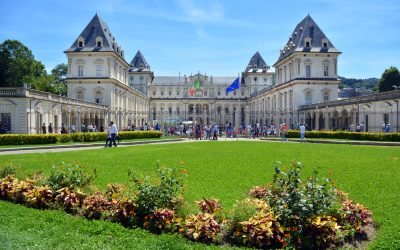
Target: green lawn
x=224, y=170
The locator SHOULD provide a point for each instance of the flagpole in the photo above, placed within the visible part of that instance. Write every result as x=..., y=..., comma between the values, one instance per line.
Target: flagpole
x=239, y=110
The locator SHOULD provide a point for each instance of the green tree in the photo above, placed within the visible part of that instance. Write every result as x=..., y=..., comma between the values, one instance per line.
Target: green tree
x=18, y=65
x=389, y=78
x=59, y=72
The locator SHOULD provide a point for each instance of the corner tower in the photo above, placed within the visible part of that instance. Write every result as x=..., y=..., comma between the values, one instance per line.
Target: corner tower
x=309, y=62
x=257, y=75
x=140, y=75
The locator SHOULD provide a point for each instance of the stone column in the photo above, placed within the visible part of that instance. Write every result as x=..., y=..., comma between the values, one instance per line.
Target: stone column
x=69, y=120
x=247, y=115
x=78, y=120
x=316, y=120
x=326, y=120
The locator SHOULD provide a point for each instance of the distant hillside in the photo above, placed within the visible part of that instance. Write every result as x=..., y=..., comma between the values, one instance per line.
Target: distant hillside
x=369, y=83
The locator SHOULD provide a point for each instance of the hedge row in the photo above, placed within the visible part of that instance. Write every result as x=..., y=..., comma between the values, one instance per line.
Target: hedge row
x=363, y=136
x=23, y=139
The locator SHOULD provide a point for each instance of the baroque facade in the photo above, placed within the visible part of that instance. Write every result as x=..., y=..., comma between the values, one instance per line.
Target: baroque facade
x=103, y=87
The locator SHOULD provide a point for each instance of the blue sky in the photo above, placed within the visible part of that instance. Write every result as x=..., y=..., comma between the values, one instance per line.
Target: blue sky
x=214, y=37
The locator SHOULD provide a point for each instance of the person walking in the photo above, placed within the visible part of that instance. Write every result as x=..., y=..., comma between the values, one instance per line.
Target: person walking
x=44, y=128
x=113, y=130
x=302, y=133
x=50, y=129
x=283, y=132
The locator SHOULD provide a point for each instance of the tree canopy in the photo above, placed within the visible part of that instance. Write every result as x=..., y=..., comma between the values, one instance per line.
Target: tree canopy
x=390, y=78
x=18, y=65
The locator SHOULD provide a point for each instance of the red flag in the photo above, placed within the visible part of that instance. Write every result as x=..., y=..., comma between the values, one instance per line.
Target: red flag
x=191, y=91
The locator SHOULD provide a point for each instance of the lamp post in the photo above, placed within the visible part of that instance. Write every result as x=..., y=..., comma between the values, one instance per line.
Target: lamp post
x=397, y=87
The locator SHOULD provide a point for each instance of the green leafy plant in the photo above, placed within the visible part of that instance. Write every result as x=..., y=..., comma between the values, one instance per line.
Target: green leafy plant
x=70, y=175
x=161, y=193
x=7, y=168
x=294, y=200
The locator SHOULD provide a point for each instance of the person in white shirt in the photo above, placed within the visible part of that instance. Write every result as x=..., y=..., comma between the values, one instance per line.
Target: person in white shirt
x=302, y=133
x=113, y=130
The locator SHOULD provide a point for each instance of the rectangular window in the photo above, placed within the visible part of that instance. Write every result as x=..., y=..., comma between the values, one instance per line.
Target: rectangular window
x=298, y=68
x=326, y=70
x=234, y=92
x=169, y=92
x=154, y=92
x=326, y=97
x=141, y=78
x=99, y=70
x=5, y=122
x=308, y=71
x=80, y=70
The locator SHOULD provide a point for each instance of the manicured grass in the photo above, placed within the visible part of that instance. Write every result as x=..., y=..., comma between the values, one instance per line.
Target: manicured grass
x=226, y=170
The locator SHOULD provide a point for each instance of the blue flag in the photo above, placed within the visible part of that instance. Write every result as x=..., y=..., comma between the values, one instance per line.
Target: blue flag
x=235, y=85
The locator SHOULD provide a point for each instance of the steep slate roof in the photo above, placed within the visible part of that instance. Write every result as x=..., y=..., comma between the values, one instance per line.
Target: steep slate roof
x=137, y=61
x=257, y=64
x=96, y=28
x=306, y=28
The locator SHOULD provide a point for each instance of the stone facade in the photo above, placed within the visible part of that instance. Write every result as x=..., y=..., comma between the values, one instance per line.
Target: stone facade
x=103, y=87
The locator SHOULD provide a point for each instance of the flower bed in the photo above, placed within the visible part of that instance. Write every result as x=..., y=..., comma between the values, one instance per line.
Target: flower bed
x=288, y=212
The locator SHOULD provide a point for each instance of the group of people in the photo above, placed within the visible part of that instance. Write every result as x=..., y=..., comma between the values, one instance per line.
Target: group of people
x=49, y=129
x=359, y=128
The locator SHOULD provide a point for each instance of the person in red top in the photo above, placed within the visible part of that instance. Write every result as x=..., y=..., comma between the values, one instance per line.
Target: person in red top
x=283, y=132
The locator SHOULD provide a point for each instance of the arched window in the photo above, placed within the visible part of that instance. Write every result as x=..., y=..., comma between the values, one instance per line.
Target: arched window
x=98, y=97
x=308, y=98
x=80, y=95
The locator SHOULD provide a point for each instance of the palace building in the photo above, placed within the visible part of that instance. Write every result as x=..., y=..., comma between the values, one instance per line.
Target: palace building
x=103, y=87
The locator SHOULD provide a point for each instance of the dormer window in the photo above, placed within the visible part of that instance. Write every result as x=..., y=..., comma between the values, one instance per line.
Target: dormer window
x=141, y=66
x=81, y=42
x=99, y=42
x=307, y=42
x=255, y=66
x=324, y=43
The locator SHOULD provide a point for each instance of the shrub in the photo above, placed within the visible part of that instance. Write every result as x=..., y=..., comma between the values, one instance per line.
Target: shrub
x=355, y=216
x=210, y=206
x=203, y=227
x=258, y=192
x=93, y=206
x=347, y=135
x=321, y=232
x=160, y=221
x=23, y=139
x=161, y=193
x=69, y=175
x=69, y=199
x=39, y=197
x=26, y=139
x=122, y=210
x=7, y=169
x=292, y=199
x=261, y=230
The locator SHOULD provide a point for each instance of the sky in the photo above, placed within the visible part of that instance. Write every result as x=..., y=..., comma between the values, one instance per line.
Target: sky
x=216, y=37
